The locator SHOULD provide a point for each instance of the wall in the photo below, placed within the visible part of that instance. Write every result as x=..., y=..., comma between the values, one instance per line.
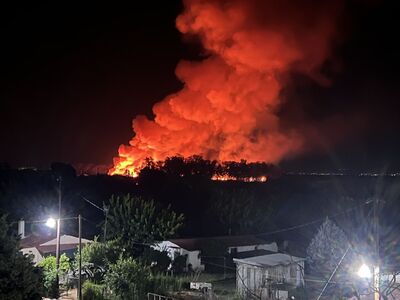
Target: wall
x=253, y=280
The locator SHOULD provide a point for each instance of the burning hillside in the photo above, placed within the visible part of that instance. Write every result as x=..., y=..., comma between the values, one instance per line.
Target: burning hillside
x=196, y=166
x=228, y=107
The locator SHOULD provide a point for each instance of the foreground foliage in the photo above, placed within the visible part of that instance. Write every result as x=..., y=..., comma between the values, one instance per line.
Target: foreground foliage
x=19, y=279
x=126, y=267
x=134, y=222
x=93, y=291
x=49, y=268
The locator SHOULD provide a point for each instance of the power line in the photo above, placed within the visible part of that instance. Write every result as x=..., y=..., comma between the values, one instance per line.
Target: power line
x=93, y=204
x=314, y=221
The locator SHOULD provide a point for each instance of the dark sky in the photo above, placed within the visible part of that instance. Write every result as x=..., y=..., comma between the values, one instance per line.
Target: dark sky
x=73, y=76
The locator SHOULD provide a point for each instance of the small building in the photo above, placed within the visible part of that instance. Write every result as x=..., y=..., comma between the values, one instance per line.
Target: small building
x=42, y=245
x=268, y=276
x=196, y=248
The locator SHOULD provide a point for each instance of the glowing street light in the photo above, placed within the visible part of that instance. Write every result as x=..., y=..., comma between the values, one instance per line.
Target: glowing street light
x=51, y=222
x=364, y=271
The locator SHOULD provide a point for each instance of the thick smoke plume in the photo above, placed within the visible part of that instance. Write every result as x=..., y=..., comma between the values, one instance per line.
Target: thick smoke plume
x=228, y=107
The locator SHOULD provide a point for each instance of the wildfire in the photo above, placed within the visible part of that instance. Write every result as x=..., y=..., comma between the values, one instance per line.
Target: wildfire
x=245, y=179
x=228, y=107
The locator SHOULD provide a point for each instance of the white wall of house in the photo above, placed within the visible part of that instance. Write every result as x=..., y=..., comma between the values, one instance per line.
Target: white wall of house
x=193, y=257
x=37, y=257
x=270, y=247
x=173, y=250
x=252, y=279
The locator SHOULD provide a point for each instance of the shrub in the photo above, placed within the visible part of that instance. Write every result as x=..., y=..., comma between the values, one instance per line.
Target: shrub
x=128, y=279
x=96, y=258
x=179, y=264
x=93, y=291
x=48, y=266
x=158, y=260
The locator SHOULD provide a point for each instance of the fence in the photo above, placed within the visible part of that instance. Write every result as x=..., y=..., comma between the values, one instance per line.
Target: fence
x=151, y=296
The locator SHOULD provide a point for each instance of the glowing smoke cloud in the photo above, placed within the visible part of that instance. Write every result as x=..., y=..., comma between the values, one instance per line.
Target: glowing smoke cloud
x=227, y=109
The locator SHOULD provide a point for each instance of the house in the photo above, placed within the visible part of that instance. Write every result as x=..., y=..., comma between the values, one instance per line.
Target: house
x=196, y=249
x=40, y=246
x=268, y=276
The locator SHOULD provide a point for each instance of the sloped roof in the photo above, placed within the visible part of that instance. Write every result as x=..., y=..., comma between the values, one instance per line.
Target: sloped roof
x=66, y=239
x=47, y=244
x=192, y=244
x=270, y=260
x=33, y=241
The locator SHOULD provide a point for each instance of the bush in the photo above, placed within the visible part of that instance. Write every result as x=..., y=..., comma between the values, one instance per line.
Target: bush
x=96, y=257
x=48, y=266
x=158, y=260
x=93, y=291
x=128, y=279
x=179, y=264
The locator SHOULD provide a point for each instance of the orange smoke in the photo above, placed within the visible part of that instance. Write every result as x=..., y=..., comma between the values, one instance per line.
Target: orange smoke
x=227, y=109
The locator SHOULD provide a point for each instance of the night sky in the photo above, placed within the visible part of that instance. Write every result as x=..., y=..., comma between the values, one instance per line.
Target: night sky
x=74, y=75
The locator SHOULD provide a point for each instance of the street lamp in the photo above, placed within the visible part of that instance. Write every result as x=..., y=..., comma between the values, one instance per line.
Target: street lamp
x=52, y=223
x=364, y=272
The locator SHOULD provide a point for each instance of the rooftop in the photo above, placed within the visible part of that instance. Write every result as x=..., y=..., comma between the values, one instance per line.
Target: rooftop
x=270, y=260
x=192, y=244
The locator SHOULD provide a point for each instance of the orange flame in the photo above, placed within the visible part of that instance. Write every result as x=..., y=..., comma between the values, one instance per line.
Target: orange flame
x=245, y=179
x=228, y=107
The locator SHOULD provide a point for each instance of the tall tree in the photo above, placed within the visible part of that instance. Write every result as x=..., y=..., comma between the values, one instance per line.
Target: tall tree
x=133, y=221
x=325, y=251
x=19, y=279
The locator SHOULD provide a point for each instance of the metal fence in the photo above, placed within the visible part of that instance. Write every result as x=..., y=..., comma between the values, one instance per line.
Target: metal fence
x=152, y=296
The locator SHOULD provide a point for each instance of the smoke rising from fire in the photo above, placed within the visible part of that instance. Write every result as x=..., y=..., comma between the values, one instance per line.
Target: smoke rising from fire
x=228, y=107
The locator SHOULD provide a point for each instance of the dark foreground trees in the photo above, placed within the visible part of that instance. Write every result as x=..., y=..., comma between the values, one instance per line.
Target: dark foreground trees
x=126, y=264
x=134, y=222
x=19, y=279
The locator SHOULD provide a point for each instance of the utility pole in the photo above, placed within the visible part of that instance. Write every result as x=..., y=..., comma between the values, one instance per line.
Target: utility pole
x=58, y=232
x=80, y=258
x=105, y=209
x=376, y=278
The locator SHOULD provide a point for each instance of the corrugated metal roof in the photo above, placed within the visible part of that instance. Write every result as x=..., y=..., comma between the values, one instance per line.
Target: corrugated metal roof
x=270, y=260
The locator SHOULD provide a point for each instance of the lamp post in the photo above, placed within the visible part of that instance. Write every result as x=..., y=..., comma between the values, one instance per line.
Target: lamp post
x=51, y=222
x=376, y=272
x=80, y=258
x=58, y=232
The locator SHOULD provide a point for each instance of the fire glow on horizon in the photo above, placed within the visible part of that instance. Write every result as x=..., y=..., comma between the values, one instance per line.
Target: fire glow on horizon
x=228, y=107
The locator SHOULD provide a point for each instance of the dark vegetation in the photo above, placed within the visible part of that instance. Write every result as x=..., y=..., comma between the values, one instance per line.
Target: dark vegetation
x=19, y=279
x=210, y=207
x=178, y=198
